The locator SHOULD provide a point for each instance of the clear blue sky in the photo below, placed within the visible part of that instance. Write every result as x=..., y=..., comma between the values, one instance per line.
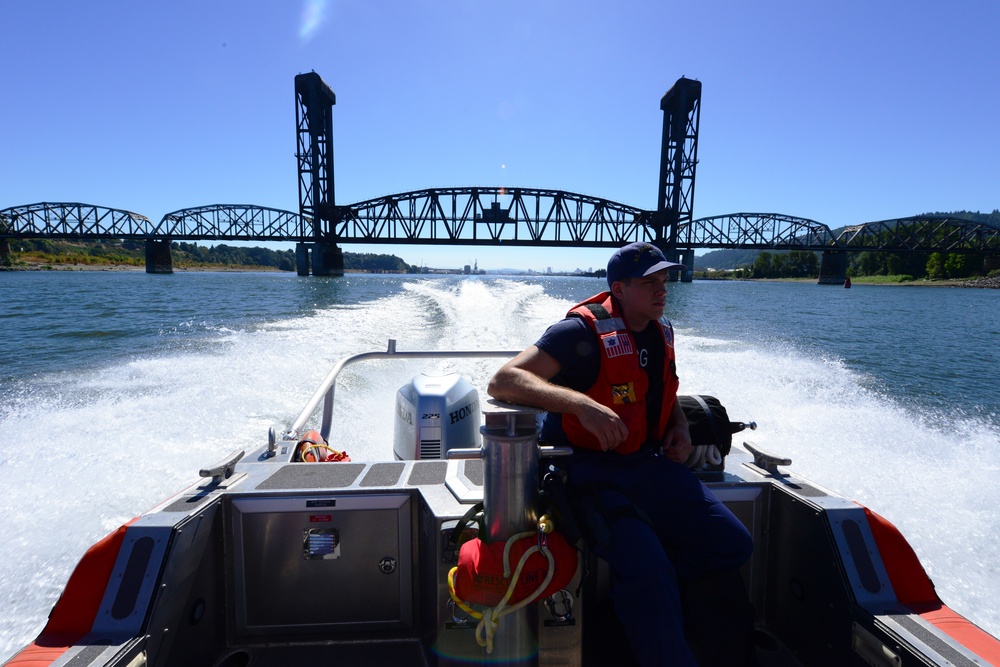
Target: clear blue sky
x=844, y=112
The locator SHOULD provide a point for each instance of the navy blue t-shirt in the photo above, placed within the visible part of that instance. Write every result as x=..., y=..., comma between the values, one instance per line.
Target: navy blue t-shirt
x=573, y=344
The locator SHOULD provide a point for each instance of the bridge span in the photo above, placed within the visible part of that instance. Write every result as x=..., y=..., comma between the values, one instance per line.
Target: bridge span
x=496, y=216
x=491, y=215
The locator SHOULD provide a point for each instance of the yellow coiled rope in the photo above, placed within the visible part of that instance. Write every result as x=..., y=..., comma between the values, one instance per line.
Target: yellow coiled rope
x=489, y=618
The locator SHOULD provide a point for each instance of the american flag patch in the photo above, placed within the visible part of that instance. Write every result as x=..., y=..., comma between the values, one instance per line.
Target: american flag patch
x=616, y=345
x=668, y=332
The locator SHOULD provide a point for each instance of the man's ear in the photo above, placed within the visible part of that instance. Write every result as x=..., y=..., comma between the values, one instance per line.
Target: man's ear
x=616, y=289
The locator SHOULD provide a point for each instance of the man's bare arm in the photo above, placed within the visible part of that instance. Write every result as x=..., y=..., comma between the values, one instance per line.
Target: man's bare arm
x=525, y=380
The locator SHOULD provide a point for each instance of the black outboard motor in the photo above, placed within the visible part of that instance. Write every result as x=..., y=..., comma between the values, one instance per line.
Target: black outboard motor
x=435, y=413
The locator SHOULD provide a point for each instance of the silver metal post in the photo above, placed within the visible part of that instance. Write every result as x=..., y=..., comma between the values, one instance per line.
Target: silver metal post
x=510, y=483
x=510, y=505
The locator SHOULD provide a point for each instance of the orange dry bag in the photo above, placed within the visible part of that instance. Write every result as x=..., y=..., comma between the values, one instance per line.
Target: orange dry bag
x=480, y=574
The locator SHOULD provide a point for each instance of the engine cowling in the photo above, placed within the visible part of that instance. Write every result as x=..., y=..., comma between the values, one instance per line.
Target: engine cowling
x=435, y=413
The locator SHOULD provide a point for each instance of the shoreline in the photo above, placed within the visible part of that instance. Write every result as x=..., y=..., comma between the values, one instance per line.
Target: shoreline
x=956, y=282
x=129, y=267
x=982, y=282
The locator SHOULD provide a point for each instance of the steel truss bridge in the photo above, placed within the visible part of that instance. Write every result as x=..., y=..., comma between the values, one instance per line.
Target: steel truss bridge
x=492, y=216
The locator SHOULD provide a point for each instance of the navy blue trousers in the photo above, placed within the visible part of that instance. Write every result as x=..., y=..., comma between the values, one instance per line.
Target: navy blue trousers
x=690, y=536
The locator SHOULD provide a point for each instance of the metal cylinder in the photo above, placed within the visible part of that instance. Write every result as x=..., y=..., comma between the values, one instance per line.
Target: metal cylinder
x=510, y=506
x=510, y=485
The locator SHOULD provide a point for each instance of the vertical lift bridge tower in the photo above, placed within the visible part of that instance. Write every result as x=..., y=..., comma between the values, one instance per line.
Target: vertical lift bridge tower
x=314, y=129
x=681, y=107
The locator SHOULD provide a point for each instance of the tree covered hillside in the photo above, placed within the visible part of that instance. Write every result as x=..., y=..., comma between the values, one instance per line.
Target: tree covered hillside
x=792, y=263
x=132, y=253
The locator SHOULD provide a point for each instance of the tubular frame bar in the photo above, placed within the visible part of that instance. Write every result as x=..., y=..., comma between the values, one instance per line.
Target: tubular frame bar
x=328, y=388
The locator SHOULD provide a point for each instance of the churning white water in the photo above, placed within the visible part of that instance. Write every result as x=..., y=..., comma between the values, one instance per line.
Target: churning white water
x=82, y=452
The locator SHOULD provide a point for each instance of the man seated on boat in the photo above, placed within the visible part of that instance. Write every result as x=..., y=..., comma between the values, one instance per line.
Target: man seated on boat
x=606, y=374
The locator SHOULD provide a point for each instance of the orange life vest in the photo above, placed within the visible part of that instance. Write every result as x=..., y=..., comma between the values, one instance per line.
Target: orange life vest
x=622, y=384
x=312, y=447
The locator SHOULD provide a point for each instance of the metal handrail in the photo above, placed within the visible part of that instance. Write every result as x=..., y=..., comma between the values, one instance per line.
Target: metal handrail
x=328, y=388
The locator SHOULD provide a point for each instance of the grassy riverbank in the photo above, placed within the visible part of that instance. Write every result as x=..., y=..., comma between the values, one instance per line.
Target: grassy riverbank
x=117, y=255
x=76, y=262
x=41, y=265
x=992, y=282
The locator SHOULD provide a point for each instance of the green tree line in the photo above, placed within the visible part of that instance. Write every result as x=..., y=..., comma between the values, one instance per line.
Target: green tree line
x=226, y=255
x=908, y=266
x=791, y=264
x=283, y=260
x=920, y=265
x=132, y=253
x=904, y=265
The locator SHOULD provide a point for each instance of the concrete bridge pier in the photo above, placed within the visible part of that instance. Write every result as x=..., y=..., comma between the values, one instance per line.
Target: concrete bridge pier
x=327, y=259
x=323, y=259
x=158, y=258
x=302, y=259
x=4, y=251
x=833, y=267
x=687, y=259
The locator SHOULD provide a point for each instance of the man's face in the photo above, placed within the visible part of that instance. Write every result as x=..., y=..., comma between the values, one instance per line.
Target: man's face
x=643, y=299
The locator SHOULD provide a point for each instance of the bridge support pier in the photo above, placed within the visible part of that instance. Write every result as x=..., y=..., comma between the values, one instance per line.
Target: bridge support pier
x=990, y=263
x=687, y=259
x=302, y=259
x=158, y=258
x=5, y=255
x=833, y=267
x=327, y=259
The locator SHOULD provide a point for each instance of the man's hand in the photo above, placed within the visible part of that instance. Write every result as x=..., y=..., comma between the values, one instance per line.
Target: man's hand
x=677, y=442
x=602, y=421
x=525, y=380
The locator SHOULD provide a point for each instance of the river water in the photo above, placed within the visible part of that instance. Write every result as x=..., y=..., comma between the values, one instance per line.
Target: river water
x=116, y=387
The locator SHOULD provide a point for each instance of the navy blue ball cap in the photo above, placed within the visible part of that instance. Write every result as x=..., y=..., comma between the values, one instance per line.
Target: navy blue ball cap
x=637, y=260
